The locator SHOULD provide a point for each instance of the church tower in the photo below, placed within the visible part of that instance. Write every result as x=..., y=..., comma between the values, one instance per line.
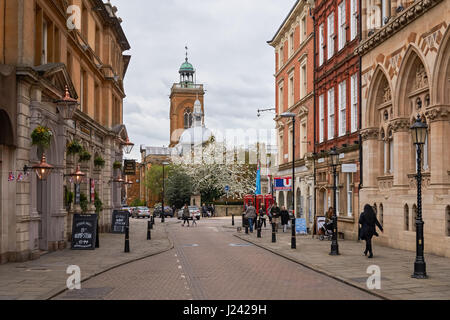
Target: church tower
x=184, y=97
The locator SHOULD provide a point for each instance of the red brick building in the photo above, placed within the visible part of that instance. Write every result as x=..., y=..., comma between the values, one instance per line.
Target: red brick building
x=337, y=107
x=294, y=86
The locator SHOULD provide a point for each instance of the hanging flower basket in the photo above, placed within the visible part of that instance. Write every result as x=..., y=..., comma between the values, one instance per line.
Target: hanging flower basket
x=41, y=137
x=117, y=165
x=74, y=147
x=99, y=162
x=85, y=156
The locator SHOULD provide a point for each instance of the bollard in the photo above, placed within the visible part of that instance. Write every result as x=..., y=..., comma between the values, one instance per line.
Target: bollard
x=294, y=239
x=127, y=239
x=259, y=229
x=232, y=219
x=274, y=235
x=243, y=220
x=149, y=226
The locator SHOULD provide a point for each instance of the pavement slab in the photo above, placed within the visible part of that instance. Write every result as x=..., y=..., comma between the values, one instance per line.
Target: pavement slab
x=46, y=277
x=351, y=265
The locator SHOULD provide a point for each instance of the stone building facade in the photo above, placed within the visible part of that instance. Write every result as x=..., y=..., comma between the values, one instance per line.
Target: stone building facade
x=41, y=56
x=336, y=82
x=294, y=54
x=406, y=72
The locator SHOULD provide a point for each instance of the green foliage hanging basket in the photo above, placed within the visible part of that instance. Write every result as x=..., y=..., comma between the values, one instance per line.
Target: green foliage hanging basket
x=99, y=162
x=41, y=137
x=74, y=147
x=117, y=165
x=85, y=156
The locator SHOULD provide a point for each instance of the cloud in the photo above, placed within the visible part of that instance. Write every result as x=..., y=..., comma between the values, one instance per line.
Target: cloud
x=227, y=46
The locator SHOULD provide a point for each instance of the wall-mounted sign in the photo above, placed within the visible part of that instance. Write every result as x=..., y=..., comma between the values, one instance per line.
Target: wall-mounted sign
x=283, y=184
x=129, y=167
x=349, y=168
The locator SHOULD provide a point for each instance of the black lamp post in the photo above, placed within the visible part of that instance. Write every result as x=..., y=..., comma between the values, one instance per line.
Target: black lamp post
x=162, y=207
x=419, y=135
x=292, y=115
x=334, y=155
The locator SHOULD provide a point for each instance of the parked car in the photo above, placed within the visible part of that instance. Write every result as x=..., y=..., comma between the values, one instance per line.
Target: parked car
x=129, y=209
x=194, y=212
x=141, y=212
x=168, y=212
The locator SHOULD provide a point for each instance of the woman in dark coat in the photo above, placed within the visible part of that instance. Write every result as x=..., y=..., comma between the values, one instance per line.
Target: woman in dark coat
x=368, y=220
x=284, y=218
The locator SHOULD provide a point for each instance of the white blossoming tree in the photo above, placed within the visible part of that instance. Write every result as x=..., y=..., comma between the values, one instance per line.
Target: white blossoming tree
x=212, y=168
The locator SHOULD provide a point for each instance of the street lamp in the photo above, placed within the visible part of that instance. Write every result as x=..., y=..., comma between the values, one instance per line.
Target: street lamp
x=128, y=146
x=334, y=155
x=419, y=135
x=292, y=115
x=43, y=169
x=162, y=208
x=67, y=105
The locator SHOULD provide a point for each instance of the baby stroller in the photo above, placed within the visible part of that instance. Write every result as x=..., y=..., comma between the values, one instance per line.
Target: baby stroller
x=327, y=230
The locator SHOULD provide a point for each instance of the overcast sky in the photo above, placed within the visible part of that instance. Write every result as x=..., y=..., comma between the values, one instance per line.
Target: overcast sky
x=227, y=42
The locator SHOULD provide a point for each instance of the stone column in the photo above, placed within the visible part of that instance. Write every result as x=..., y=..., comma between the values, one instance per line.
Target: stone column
x=402, y=151
x=371, y=157
x=438, y=118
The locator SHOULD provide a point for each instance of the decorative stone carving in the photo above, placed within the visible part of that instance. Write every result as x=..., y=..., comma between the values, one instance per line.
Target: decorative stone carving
x=370, y=134
x=421, y=77
x=396, y=24
x=438, y=113
x=400, y=124
x=387, y=96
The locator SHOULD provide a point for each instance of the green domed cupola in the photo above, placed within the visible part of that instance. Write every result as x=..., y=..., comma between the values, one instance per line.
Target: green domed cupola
x=187, y=72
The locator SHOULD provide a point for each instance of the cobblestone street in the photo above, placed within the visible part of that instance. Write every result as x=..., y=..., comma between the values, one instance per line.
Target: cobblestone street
x=209, y=263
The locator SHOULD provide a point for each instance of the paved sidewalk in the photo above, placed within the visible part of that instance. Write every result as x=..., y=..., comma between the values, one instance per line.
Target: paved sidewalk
x=44, y=278
x=351, y=266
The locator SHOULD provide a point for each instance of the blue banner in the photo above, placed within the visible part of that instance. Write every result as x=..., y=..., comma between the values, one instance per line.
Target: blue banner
x=258, y=181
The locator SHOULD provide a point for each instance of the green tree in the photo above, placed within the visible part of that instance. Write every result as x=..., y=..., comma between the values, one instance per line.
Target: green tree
x=178, y=188
x=138, y=203
x=154, y=179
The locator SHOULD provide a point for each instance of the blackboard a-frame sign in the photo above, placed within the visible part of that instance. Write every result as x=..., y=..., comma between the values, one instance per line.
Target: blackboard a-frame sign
x=120, y=219
x=84, y=231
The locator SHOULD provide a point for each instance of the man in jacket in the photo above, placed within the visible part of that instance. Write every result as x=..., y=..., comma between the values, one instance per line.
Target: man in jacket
x=275, y=212
x=250, y=214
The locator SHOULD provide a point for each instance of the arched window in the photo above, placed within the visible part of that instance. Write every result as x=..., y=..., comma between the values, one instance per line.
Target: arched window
x=447, y=221
x=280, y=199
x=188, y=119
x=406, y=217
x=414, y=217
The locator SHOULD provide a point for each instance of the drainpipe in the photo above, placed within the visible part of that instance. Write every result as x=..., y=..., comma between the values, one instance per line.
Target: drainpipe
x=315, y=126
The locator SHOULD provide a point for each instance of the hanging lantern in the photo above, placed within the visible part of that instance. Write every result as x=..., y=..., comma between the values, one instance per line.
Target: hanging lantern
x=128, y=146
x=43, y=169
x=67, y=105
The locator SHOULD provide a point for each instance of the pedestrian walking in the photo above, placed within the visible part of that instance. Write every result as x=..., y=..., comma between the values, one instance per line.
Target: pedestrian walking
x=275, y=213
x=204, y=211
x=250, y=214
x=186, y=215
x=368, y=221
x=263, y=215
x=284, y=214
